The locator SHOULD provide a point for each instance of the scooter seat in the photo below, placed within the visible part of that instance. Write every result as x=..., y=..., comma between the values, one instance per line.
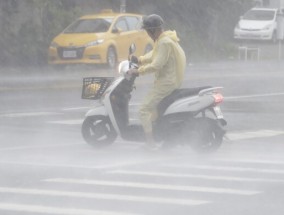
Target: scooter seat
x=178, y=94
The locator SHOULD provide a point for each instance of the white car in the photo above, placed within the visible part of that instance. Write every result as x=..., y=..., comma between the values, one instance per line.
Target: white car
x=257, y=24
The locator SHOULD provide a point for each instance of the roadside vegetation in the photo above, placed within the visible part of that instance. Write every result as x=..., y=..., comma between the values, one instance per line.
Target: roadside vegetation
x=205, y=27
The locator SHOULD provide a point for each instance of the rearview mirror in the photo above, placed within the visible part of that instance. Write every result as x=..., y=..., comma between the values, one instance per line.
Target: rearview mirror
x=132, y=49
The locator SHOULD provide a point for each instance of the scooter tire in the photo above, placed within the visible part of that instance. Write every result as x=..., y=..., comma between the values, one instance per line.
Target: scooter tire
x=208, y=136
x=98, y=131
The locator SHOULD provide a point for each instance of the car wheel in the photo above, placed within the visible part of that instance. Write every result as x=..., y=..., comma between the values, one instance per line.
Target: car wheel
x=111, y=57
x=274, y=37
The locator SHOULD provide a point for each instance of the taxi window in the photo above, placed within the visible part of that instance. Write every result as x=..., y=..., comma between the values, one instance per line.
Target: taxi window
x=122, y=25
x=89, y=26
x=133, y=22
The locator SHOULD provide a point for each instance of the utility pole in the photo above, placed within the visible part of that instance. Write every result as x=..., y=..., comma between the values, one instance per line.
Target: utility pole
x=280, y=29
x=122, y=6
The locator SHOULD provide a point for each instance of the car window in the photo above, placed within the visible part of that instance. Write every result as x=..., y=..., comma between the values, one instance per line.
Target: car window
x=121, y=24
x=133, y=22
x=89, y=26
x=259, y=15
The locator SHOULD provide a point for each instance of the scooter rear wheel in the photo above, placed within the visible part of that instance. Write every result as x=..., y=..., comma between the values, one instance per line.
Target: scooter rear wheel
x=207, y=135
x=98, y=131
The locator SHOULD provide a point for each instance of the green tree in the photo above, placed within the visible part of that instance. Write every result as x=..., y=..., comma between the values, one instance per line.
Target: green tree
x=205, y=27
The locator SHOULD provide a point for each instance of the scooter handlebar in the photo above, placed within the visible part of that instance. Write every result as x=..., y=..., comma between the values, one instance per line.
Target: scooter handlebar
x=134, y=59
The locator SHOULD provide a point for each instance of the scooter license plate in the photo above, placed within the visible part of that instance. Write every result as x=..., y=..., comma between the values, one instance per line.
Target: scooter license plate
x=218, y=112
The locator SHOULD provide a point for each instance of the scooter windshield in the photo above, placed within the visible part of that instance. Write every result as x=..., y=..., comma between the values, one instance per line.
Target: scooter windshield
x=123, y=67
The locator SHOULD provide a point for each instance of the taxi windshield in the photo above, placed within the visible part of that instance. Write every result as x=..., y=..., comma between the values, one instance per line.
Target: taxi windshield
x=89, y=26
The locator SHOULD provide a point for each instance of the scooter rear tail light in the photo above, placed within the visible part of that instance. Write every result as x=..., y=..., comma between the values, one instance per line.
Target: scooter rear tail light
x=218, y=97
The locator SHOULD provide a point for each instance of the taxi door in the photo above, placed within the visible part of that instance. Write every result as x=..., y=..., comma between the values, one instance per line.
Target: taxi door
x=122, y=38
x=137, y=36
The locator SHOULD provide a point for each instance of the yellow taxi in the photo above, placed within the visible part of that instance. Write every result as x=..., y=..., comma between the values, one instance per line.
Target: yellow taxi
x=103, y=38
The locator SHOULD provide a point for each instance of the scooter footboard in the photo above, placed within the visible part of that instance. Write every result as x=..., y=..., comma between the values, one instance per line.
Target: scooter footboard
x=98, y=110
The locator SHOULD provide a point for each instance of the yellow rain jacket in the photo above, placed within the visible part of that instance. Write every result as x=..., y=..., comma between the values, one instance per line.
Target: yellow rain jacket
x=167, y=61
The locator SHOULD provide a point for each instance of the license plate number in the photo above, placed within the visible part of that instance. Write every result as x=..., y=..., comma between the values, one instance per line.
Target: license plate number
x=69, y=54
x=218, y=112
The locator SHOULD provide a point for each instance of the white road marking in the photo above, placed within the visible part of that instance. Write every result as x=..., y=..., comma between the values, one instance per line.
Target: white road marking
x=38, y=209
x=75, y=121
x=207, y=177
x=253, y=96
x=68, y=122
x=37, y=147
x=225, y=168
x=90, y=107
x=117, y=164
x=97, y=167
x=75, y=108
x=252, y=134
x=100, y=196
x=252, y=161
x=155, y=186
x=123, y=144
x=29, y=114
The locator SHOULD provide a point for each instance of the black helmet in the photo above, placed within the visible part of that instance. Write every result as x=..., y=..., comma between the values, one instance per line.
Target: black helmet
x=152, y=21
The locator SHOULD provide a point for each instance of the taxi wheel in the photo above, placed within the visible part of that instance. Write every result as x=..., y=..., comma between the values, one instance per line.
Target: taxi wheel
x=111, y=57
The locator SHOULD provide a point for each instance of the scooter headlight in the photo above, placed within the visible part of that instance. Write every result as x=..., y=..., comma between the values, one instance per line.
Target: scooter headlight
x=123, y=67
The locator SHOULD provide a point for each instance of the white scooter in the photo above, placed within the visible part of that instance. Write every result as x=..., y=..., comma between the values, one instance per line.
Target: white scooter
x=187, y=116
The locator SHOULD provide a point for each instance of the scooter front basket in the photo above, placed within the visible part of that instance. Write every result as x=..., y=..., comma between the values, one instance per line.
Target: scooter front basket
x=94, y=87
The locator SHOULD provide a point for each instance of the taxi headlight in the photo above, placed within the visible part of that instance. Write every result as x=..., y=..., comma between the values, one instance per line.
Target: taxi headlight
x=94, y=43
x=53, y=45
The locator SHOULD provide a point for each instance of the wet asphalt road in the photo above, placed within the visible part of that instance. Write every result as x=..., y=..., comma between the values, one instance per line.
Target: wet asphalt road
x=46, y=168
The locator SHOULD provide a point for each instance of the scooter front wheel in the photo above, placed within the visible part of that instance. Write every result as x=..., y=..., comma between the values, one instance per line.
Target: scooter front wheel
x=98, y=131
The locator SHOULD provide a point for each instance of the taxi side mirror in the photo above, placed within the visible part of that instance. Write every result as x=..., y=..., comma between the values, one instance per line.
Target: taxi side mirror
x=116, y=30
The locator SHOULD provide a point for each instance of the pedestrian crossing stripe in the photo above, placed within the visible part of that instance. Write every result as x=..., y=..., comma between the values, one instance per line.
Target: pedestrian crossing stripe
x=226, y=168
x=68, y=122
x=199, y=176
x=29, y=114
x=252, y=134
x=39, y=209
x=154, y=186
x=74, y=121
x=103, y=196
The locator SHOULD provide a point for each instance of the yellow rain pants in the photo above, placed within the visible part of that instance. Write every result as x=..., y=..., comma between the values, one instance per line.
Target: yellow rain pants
x=167, y=61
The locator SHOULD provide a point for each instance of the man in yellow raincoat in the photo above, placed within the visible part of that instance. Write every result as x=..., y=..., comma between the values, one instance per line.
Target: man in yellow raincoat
x=167, y=61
